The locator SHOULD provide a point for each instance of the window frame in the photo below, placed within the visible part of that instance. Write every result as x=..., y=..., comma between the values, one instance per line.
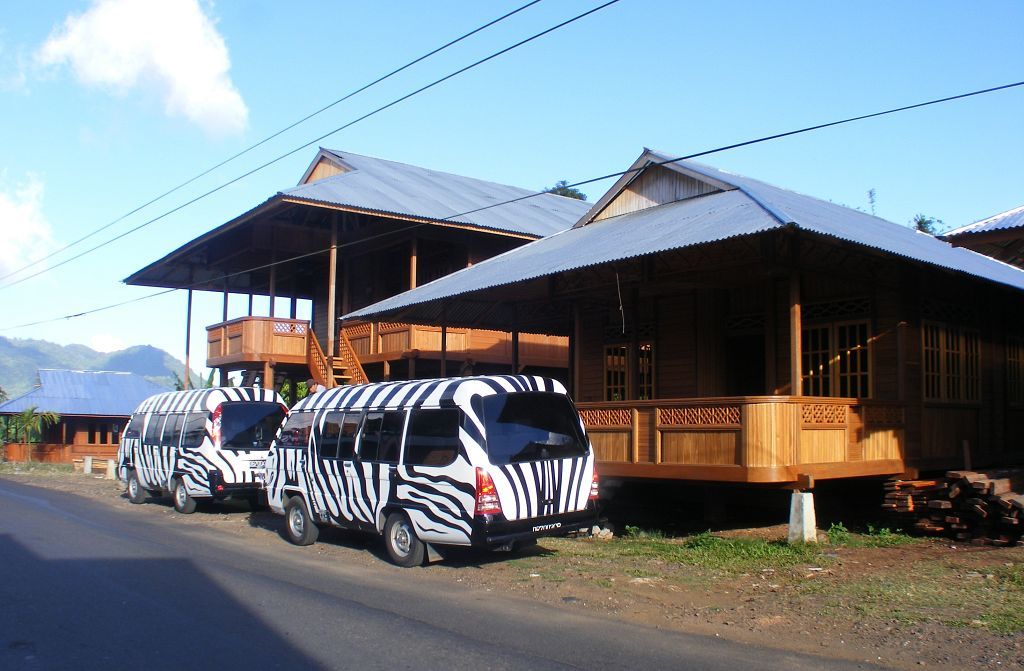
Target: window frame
x=834, y=360
x=958, y=375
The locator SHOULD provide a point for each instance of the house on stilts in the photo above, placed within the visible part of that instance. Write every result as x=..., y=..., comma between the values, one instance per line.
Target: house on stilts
x=354, y=231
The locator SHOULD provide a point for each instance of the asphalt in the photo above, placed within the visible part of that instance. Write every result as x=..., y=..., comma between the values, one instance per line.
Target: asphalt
x=89, y=586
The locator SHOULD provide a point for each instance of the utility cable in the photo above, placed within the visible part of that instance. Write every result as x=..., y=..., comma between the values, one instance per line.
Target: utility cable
x=312, y=142
x=744, y=143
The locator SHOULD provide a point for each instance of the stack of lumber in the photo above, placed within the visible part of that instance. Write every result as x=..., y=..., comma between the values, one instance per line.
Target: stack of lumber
x=980, y=507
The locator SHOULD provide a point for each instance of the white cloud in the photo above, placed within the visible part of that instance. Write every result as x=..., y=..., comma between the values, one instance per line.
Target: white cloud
x=25, y=234
x=169, y=45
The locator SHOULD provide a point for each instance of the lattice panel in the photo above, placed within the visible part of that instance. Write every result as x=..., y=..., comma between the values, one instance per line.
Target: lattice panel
x=823, y=413
x=297, y=328
x=700, y=415
x=358, y=330
x=883, y=415
x=392, y=326
x=854, y=307
x=606, y=417
x=948, y=312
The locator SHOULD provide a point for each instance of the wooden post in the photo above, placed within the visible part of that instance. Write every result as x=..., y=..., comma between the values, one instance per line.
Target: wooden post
x=188, y=331
x=770, y=378
x=413, y=253
x=515, y=351
x=294, y=307
x=250, y=304
x=444, y=343
x=332, y=289
x=224, y=311
x=795, y=337
x=273, y=285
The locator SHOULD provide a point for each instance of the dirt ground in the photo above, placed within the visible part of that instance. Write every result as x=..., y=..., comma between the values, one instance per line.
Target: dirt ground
x=912, y=604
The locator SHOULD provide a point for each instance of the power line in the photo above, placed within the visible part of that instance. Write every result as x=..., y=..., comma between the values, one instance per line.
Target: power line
x=706, y=152
x=312, y=142
x=270, y=137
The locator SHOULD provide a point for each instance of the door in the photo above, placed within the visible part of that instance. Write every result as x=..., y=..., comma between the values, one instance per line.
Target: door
x=373, y=471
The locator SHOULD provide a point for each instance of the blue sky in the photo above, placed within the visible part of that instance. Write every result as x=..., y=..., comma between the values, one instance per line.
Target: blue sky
x=110, y=102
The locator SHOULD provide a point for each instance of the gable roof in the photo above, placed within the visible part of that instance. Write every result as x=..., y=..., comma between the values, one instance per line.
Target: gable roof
x=745, y=207
x=1000, y=222
x=93, y=393
x=387, y=187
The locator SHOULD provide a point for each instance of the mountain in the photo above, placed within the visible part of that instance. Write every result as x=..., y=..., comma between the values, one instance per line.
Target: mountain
x=21, y=358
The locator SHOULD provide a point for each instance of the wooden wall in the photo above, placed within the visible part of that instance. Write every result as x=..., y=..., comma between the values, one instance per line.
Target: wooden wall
x=654, y=186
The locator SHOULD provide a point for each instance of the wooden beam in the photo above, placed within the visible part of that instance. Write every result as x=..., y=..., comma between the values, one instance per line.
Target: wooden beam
x=413, y=252
x=272, y=289
x=188, y=331
x=795, y=336
x=332, y=289
x=770, y=362
x=224, y=312
x=444, y=343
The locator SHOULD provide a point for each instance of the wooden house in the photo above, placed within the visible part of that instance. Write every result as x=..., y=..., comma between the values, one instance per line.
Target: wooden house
x=354, y=231
x=723, y=329
x=1000, y=236
x=93, y=407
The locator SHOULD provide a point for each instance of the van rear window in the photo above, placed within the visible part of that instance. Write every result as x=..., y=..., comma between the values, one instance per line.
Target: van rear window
x=531, y=426
x=245, y=425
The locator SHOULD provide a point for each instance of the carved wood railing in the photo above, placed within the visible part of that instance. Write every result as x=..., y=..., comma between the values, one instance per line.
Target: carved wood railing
x=350, y=360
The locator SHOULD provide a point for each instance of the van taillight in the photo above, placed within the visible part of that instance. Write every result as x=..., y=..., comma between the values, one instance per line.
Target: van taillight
x=487, y=502
x=594, y=487
x=215, y=431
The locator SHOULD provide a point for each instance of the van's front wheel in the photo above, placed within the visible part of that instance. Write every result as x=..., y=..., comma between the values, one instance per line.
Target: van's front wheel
x=300, y=528
x=136, y=494
x=183, y=503
x=402, y=544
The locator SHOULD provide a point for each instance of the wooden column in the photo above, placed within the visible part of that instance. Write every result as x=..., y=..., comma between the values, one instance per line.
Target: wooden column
x=574, y=353
x=273, y=285
x=444, y=343
x=413, y=253
x=250, y=304
x=332, y=289
x=224, y=312
x=795, y=337
x=515, y=351
x=188, y=340
x=770, y=378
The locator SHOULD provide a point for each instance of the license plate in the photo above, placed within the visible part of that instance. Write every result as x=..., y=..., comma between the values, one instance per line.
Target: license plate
x=258, y=464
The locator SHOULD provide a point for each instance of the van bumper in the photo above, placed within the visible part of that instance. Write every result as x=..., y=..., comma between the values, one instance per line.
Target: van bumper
x=497, y=531
x=221, y=490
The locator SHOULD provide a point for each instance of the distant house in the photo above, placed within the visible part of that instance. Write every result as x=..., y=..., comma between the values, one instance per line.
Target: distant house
x=1000, y=236
x=93, y=407
x=724, y=329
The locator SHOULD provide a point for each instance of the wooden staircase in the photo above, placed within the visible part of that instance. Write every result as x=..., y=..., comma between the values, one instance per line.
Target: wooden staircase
x=334, y=371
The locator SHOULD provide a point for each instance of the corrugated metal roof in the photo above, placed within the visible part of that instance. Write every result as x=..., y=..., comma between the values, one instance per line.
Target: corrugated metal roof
x=752, y=207
x=397, y=188
x=85, y=392
x=1004, y=220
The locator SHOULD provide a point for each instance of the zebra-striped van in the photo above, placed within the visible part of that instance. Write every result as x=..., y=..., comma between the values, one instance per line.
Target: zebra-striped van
x=491, y=461
x=200, y=444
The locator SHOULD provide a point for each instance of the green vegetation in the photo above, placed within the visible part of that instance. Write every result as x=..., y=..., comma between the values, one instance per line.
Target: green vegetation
x=33, y=468
x=562, y=188
x=876, y=537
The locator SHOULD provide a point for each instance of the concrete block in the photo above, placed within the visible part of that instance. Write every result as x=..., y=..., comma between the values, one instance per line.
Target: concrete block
x=802, y=525
x=111, y=469
x=88, y=465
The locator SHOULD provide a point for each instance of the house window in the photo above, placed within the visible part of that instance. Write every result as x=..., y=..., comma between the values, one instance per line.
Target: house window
x=92, y=434
x=1015, y=370
x=952, y=362
x=617, y=362
x=837, y=360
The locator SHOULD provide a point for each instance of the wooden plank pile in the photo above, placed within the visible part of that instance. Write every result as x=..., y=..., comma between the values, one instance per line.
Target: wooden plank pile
x=979, y=507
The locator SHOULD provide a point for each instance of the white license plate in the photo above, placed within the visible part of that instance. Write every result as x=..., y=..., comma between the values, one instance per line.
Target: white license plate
x=258, y=464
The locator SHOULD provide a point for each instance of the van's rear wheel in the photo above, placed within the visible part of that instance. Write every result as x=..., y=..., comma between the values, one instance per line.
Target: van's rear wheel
x=136, y=494
x=403, y=546
x=300, y=528
x=183, y=503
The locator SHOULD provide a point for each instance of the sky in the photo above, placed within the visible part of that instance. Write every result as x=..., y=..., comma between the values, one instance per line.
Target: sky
x=106, y=104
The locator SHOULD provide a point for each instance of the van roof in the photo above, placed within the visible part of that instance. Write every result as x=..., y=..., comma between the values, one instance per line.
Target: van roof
x=206, y=399
x=415, y=393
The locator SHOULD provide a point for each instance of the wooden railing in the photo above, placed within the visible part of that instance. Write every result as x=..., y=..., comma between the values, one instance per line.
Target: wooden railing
x=319, y=366
x=254, y=339
x=754, y=439
x=350, y=360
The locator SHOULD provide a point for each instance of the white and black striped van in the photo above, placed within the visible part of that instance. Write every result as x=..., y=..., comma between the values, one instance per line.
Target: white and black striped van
x=200, y=444
x=490, y=461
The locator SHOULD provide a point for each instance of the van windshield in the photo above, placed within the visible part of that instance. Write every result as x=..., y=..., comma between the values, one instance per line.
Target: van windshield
x=531, y=426
x=245, y=425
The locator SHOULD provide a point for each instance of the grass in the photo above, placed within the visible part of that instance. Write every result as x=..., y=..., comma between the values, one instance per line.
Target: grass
x=34, y=468
x=874, y=537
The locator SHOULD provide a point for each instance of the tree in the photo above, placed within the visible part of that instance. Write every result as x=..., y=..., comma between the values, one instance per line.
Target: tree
x=30, y=424
x=562, y=188
x=926, y=224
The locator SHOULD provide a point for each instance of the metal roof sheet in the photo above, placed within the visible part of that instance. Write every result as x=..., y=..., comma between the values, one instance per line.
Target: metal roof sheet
x=85, y=392
x=402, y=189
x=752, y=207
x=1004, y=220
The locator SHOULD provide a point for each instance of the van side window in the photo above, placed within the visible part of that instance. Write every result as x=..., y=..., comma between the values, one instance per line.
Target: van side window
x=195, y=430
x=328, y=446
x=172, y=430
x=295, y=432
x=433, y=437
x=347, y=438
x=134, y=428
x=153, y=429
x=381, y=437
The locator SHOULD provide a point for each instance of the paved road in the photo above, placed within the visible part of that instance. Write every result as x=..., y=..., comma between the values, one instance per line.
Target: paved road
x=89, y=586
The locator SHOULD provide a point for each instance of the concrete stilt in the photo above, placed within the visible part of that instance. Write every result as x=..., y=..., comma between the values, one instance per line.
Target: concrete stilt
x=802, y=525
x=87, y=465
x=111, y=469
